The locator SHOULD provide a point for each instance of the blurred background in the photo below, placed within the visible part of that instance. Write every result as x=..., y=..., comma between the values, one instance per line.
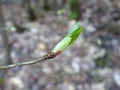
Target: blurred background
x=31, y=28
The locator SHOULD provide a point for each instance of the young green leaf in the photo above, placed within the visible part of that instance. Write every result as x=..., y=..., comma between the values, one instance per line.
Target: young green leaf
x=69, y=38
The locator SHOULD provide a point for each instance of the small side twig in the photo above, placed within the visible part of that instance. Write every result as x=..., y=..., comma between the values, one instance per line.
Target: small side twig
x=45, y=57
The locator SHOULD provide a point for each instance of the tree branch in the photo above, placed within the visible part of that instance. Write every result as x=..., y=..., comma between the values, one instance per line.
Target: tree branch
x=61, y=46
x=45, y=57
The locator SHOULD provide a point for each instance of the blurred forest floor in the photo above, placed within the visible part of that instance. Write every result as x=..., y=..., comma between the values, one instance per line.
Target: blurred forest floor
x=92, y=63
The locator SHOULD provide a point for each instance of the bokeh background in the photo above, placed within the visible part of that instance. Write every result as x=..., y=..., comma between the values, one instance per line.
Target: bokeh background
x=31, y=28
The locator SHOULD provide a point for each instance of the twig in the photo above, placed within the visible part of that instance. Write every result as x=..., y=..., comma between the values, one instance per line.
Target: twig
x=61, y=46
x=45, y=57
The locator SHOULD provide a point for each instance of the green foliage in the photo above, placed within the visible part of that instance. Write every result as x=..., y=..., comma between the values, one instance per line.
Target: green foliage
x=1, y=81
x=69, y=38
x=74, y=8
x=75, y=32
x=46, y=5
x=60, y=11
x=31, y=13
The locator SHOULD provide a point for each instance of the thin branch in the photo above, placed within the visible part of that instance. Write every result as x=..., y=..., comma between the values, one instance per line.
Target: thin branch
x=62, y=45
x=45, y=57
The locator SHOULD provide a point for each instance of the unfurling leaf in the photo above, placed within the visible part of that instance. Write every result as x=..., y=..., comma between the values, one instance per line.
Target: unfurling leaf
x=69, y=38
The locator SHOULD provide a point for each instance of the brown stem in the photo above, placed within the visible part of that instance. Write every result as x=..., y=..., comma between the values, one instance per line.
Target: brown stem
x=45, y=57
